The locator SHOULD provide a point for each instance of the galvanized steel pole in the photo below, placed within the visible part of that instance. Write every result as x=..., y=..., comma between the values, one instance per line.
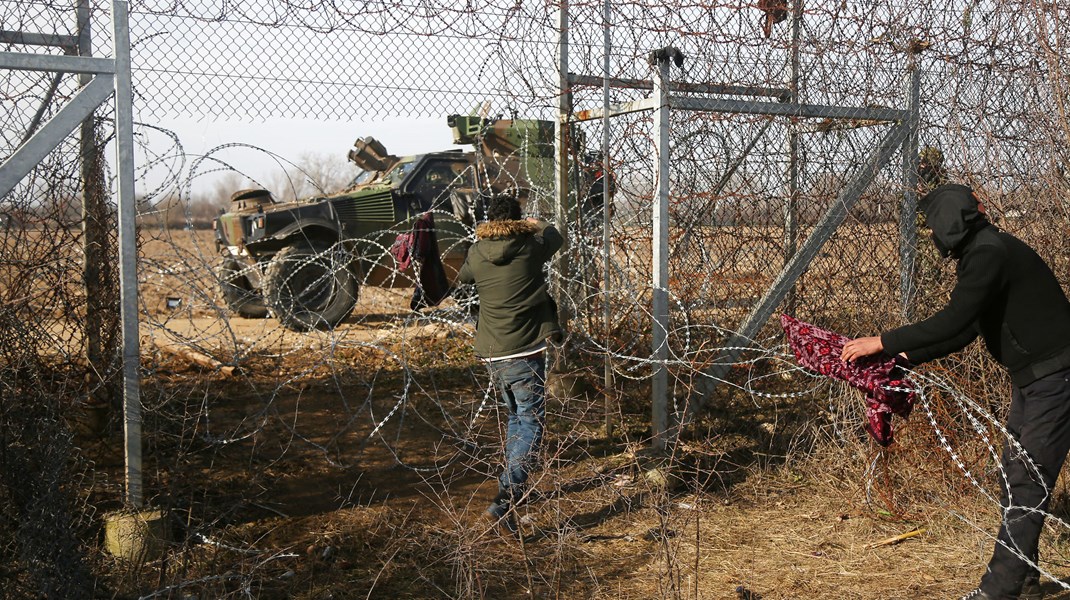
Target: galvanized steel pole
x=908, y=231
x=124, y=134
x=660, y=242
x=606, y=204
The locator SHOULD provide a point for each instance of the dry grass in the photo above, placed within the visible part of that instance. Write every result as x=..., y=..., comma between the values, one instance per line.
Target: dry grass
x=277, y=487
x=769, y=497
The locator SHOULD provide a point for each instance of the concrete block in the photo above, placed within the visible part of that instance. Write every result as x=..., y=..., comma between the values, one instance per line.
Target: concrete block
x=136, y=536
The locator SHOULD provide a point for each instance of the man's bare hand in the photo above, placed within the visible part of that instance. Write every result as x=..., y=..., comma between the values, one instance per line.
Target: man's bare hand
x=860, y=347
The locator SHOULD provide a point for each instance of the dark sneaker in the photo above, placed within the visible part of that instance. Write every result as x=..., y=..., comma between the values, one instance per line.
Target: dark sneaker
x=977, y=594
x=497, y=509
x=498, y=513
x=1031, y=590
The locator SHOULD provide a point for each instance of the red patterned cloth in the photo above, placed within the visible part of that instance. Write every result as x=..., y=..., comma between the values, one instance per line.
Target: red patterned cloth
x=420, y=246
x=819, y=351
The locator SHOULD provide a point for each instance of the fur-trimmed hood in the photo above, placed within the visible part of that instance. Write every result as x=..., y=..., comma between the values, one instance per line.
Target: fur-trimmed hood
x=500, y=241
x=497, y=230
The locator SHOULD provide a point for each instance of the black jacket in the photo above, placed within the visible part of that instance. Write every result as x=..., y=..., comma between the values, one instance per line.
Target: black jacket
x=1004, y=292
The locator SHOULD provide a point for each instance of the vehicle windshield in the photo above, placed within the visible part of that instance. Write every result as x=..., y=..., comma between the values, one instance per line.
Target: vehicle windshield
x=362, y=178
x=398, y=173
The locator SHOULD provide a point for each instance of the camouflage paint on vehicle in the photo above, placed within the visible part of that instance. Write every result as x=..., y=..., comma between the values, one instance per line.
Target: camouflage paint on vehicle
x=512, y=156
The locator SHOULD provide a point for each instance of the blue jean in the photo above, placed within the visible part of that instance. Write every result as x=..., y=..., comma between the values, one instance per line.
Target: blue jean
x=521, y=383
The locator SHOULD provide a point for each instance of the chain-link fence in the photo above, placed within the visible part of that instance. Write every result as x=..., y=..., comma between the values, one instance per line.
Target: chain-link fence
x=51, y=325
x=257, y=421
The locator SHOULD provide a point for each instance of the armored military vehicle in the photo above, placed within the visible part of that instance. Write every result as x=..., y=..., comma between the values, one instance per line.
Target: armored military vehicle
x=304, y=262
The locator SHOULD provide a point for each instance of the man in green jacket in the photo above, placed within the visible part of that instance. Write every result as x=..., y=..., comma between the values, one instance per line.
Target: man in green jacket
x=516, y=316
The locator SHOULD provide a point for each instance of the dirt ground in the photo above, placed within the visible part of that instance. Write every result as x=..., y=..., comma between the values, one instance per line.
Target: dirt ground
x=277, y=490
x=357, y=463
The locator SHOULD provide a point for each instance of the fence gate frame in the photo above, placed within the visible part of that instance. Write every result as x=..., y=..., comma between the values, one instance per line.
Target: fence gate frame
x=100, y=79
x=902, y=135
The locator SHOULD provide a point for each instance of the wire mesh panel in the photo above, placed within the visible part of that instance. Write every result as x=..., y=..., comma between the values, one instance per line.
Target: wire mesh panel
x=738, y=177
x=748, y=186
x=341, y=61
x=306, y=380
x=49, y=320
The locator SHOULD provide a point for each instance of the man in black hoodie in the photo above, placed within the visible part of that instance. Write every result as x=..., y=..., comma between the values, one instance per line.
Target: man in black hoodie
x=1006, y=294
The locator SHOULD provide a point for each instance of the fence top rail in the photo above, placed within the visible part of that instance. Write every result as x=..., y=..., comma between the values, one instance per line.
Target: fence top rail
x=861, y=114
x=855, y=116
x=25, y=61
x=699, y=88
x=67, y=42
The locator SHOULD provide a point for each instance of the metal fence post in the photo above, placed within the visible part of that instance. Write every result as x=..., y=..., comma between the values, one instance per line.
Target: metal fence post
x=908, y=230
x=660, y=243
x=561, y=168
x=791, y=227
x=124, y=133
x=607, y=314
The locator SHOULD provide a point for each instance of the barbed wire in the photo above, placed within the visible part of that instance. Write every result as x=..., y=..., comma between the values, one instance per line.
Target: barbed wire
x=392, y=385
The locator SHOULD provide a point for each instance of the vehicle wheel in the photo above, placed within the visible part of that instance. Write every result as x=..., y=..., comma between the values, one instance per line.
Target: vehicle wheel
x=310, y=285
x=238, y=293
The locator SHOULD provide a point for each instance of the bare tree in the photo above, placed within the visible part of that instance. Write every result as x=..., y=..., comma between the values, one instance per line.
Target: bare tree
x=314, y=173
x=327, y=173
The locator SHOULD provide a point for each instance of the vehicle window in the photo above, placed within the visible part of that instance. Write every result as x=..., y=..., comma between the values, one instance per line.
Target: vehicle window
x=434, y=180
x=460, y=174
x=398, y=173
x=362, y=178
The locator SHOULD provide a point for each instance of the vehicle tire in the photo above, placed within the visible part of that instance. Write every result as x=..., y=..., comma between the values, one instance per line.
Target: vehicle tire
x=310, y=285
x=238, y=293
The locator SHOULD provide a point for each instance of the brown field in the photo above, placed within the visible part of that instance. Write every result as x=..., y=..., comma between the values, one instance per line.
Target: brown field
x=356, y=463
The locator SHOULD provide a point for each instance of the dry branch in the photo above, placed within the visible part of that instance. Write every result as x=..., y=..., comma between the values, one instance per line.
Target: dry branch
x=896, y=539
x=201, y=359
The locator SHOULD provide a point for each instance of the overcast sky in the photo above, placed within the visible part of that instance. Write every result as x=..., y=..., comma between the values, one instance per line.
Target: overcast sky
x=291, y=139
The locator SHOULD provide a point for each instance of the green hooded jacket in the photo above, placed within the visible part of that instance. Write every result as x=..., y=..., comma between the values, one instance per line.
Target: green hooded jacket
x=516, y=312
